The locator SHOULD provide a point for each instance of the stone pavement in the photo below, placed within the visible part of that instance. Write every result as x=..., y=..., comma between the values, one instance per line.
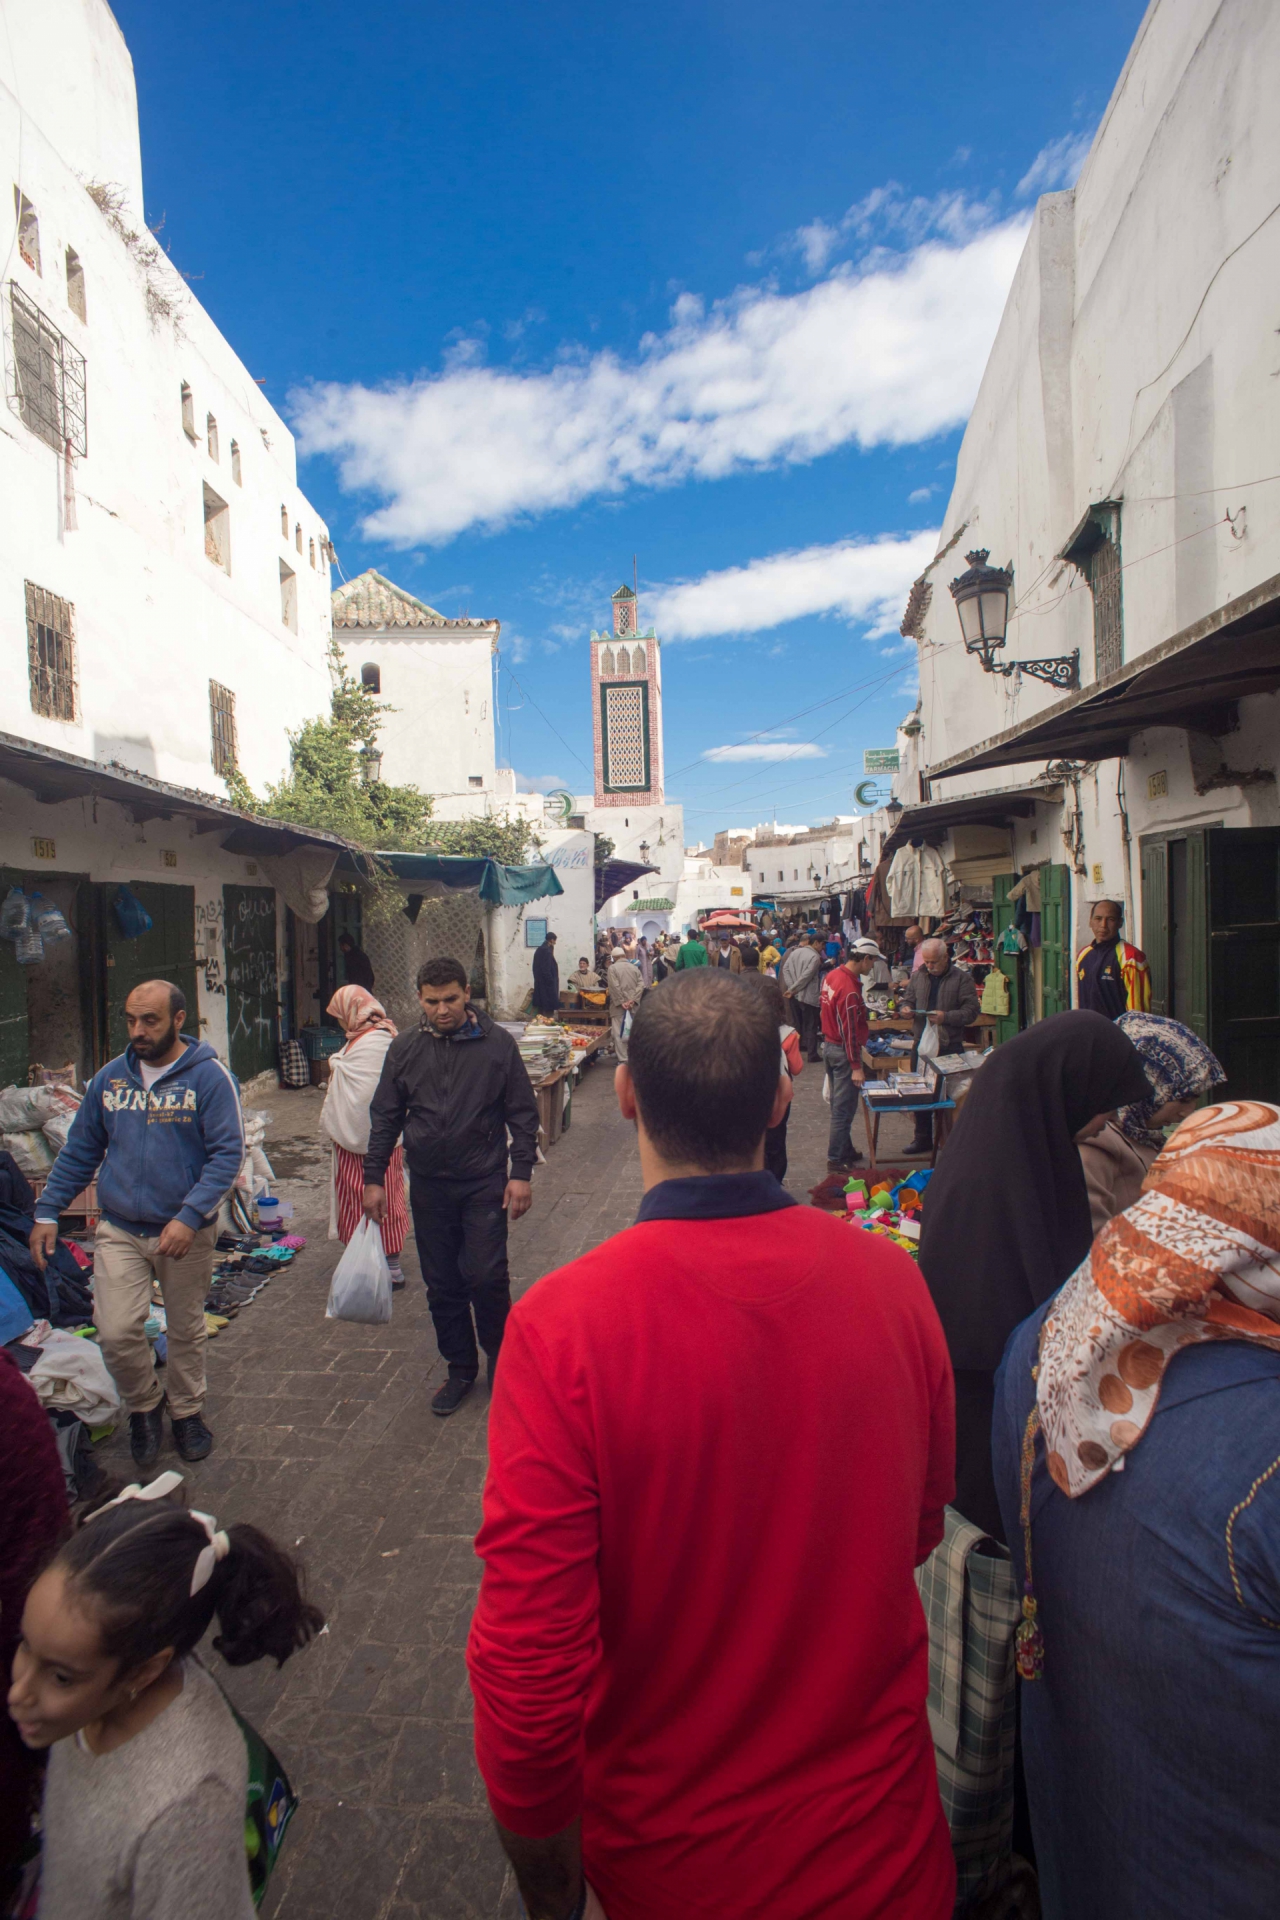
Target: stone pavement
x=324, y=1438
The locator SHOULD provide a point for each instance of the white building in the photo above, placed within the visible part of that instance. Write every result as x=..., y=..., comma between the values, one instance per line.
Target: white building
x=1121, y=459
x=436, y=676
x=164, y=586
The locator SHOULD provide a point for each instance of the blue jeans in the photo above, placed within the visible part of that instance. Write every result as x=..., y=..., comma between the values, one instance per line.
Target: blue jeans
x=844, y=1104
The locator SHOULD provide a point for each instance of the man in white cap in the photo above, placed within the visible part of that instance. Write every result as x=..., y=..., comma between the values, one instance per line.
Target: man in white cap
x=845, y=1029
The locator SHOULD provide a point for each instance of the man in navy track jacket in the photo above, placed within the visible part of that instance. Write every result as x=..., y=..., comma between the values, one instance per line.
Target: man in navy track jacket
x=163, y=1123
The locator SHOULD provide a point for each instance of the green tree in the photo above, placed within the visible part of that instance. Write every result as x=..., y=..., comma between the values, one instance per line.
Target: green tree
x=496, y=837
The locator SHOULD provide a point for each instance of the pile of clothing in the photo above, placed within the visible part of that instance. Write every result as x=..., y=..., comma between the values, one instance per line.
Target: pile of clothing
x=35, y=1122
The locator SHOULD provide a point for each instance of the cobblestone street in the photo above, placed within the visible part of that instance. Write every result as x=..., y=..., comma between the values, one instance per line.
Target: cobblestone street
x=324, y=1437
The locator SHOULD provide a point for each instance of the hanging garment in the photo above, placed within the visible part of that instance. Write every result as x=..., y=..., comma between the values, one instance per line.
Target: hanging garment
x=995, y=993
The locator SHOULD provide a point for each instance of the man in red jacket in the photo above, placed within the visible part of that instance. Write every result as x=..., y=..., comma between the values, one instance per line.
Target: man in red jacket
x=720, y=1444
x=845, y=1028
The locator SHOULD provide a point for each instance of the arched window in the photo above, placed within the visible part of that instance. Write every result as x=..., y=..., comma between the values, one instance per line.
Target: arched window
x=311, y=550
x=371, y=678
x=624, y=660
x=297, y=536
x=188, y=413
x=284, y=522
x=211, y=435
x=638, y=662
x=235, y=462
x=608, y=666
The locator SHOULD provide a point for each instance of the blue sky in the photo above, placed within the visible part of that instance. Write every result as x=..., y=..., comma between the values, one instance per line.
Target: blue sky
x=543, y=287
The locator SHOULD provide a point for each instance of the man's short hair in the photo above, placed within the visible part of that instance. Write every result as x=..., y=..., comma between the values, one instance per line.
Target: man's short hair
x=442, y=973
x=550, y=936
x=177, y=998
x=703, y=1055
x=1117, y=904
x=345, y=940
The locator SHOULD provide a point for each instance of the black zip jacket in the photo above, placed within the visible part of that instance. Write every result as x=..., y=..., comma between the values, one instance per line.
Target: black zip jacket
x=453, y=1097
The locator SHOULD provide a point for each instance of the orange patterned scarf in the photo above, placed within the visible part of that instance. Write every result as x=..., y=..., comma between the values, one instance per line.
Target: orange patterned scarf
x=1197, y=1258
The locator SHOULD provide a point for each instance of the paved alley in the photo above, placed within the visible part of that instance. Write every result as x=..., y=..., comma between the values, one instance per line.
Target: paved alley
x=324, y=1437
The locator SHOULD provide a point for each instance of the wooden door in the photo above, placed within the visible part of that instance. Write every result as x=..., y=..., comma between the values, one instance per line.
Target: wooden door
x=1244, y=959
x=1155, y=919
x=167, y=952
x=253, y=992
x=1011, y=965
x=13, y=1003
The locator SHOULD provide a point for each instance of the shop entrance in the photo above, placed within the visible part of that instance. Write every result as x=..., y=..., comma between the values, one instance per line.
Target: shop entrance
x=1211, y=927
x=46, y=1008
x=166, y=952
x=249, y=931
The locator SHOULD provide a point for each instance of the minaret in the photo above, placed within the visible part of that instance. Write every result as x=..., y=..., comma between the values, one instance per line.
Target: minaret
x=626, y=708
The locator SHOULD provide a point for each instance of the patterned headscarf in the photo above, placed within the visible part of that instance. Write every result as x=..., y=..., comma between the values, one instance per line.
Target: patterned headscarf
x=359, y=1013
x=1197, y=1258
x=1177, y=1063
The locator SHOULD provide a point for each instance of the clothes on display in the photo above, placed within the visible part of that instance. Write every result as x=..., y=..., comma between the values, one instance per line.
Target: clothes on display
x=917, y=883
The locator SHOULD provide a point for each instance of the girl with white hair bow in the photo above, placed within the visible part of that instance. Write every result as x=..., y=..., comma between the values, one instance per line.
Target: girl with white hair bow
x=144, y=1803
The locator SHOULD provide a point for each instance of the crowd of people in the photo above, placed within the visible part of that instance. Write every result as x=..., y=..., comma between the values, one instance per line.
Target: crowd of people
x=722, y=1444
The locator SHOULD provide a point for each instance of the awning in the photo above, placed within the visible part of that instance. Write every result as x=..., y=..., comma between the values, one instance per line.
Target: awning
x=1184, y=682
x=992, y=809
x=614, y=875
x=497, y=884
x=652, y=906
x=53, y=776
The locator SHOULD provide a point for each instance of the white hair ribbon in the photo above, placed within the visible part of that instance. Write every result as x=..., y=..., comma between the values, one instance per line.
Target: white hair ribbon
x=208, y=1557
x=160, y=1489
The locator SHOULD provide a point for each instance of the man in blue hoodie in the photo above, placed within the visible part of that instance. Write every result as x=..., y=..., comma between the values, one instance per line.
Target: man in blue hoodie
x=163, y=1123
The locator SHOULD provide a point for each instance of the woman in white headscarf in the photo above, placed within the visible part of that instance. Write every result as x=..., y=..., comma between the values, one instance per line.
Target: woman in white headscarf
x=353, y=1080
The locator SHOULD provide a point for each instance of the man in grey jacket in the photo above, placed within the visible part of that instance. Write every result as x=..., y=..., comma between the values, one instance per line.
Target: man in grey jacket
x=945, y=997
x=800, y=977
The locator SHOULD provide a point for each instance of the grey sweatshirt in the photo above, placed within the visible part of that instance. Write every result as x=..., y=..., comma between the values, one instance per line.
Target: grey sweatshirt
x=155, y=1830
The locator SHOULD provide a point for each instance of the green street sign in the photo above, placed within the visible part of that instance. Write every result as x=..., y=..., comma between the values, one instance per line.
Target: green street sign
x=880, y=760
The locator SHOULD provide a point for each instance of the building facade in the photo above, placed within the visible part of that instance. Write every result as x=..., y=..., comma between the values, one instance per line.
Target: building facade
x=626, y=710
x=1122, y=730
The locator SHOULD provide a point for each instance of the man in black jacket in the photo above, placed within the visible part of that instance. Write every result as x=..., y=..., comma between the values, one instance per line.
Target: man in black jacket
x=453, y=1088
x=546, y=977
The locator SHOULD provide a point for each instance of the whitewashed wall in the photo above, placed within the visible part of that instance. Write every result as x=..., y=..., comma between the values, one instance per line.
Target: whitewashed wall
x=440, y=734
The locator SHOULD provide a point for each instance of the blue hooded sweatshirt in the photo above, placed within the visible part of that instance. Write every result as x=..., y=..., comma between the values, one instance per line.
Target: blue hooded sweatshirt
x=167, y=1153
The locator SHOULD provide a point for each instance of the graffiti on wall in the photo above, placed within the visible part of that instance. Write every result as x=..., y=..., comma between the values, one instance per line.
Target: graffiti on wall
x=209, y=943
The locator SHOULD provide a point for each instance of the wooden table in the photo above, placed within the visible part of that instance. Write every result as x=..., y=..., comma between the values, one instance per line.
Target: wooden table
x=871, y=1115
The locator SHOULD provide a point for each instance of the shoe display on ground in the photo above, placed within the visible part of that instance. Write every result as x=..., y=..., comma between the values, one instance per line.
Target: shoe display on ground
x=192, y=1438
x=451, y=1396
x=146, y=1431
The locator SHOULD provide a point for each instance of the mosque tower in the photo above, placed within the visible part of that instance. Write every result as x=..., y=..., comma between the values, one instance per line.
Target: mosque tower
x=626, y=709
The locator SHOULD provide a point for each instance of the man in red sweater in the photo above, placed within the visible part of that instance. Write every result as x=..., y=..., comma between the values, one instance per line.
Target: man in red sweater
x=844, y=1032
x=719, y=1446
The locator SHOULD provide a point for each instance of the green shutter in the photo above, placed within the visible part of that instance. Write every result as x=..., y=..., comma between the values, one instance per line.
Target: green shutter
x=167, y=952
x=1193, y=998
x=14, y=1059
x=1244, y=960
x=1055, y=935
x=1155, y=919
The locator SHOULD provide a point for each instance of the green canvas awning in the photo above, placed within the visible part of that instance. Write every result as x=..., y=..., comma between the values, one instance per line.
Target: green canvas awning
x=498, y=884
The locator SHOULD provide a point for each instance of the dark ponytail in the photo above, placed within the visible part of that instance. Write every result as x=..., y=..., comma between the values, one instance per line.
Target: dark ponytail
x=135, y=1562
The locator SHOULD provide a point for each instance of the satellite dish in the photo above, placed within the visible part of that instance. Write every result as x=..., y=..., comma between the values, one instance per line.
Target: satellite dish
x=560, y=804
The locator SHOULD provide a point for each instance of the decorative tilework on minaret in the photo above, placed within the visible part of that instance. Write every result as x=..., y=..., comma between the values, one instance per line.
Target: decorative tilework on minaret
x=626, y=709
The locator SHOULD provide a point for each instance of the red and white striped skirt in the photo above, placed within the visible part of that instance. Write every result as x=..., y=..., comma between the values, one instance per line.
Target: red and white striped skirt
x=348, y=1186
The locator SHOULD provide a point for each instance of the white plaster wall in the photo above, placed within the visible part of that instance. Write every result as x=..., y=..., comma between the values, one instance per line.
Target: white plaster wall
x=440, y=686
x=111, y=848
x=155, y=619
x=835, y=862
x=661, y=828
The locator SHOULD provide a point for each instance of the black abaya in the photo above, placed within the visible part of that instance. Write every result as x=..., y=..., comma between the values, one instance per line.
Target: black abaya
x=1006, y=1215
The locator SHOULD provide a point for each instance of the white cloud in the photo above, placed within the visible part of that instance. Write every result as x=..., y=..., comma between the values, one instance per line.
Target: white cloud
x=863, y=580
x=768, y=750
x=918, y=495
x=540, y=783
x=884, y=354
x=911, y=218
x=1057, y=165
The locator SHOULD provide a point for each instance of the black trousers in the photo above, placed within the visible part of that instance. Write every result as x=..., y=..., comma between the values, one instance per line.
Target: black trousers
x=808, y=1029
x=461, y=1231
x=775, y=1148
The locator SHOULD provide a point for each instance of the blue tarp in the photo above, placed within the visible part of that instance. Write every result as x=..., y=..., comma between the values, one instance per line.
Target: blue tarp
x=500, y=885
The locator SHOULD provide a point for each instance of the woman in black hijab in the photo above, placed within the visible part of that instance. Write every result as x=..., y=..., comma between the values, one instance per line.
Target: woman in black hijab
x=1006, y=1215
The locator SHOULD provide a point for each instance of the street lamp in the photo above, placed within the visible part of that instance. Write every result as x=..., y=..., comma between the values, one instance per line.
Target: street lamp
x=981, y=595
x=644, y=851
x=911, y=726
x=371, y=766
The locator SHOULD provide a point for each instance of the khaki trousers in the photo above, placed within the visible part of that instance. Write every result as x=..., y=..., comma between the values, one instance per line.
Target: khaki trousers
x=124, y=1265
x=616, y=1018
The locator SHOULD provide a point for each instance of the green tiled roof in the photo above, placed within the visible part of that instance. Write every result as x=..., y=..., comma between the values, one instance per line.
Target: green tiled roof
x=651, y=906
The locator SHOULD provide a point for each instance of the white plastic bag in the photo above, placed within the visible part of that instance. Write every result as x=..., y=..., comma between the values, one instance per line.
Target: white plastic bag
x=361, y=1284
x=930, y=1042
x=826, y=1088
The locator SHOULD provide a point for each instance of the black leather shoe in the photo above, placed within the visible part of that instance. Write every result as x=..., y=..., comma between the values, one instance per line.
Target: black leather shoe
x=192, y=1438
x=146, y=1431
x=451, y=1396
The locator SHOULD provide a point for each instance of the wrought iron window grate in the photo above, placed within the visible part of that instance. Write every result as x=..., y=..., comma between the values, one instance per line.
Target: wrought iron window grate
x=51, y=654
x=222, y=727
x=48, y=378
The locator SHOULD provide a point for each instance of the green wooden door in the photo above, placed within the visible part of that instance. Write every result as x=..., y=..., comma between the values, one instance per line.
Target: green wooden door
x=1055, y=939
x=1010, y=964
x=14, y=1057
x=253, y=991
x=167, y=952
x=1244, y=959
x=1155, y=920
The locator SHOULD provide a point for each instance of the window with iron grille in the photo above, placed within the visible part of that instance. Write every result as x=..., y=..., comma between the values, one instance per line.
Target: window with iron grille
x=48, y=378
x=222, y=728
x=1094, y=548
x=51, y=654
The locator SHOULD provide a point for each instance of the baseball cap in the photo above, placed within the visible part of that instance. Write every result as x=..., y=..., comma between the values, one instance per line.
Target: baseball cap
x=868, y=947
